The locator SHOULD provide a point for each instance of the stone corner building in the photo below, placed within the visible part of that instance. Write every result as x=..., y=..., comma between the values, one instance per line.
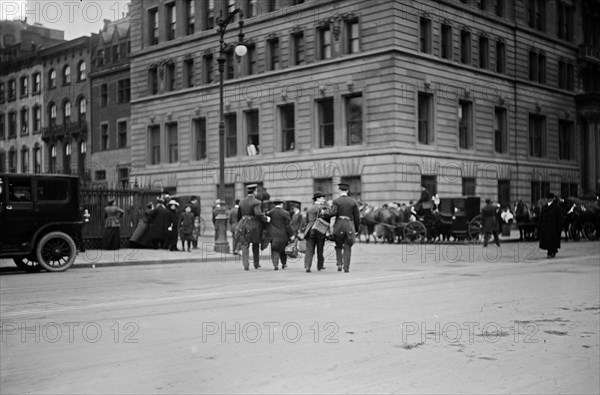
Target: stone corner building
x=491, y=98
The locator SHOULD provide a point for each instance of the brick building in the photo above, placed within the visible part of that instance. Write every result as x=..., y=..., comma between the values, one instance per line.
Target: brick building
x=110, y=161
x=65, y=114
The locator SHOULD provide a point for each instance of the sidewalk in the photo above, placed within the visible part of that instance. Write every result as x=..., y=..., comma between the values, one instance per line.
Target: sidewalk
x=204, y=253
x=140, y=256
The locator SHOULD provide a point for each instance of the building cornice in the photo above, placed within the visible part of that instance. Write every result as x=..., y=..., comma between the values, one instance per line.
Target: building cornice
x=335, y=62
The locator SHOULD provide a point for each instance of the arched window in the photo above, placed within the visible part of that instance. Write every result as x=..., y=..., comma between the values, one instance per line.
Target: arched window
x=52, y=162
x=52, y=79
x=82, y=75
x=24, y=159
x=82, y=109
x=37, y=83
x=67, y=158
x=81, y=160
x=66, y=113
x=52, y=114
x=37, y=158
x=67, y=75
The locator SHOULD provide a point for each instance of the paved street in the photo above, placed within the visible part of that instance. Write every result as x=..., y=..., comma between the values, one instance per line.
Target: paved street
x=437, y=318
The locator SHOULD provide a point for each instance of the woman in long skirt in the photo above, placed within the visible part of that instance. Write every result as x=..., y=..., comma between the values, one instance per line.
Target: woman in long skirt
x=111, y=237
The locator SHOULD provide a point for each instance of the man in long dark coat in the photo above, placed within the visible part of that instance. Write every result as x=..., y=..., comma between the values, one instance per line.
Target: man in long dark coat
x=250, y=226
x=489, y=224
x=159, y=224
x=347, y=221
x=279, y=232
x=550, y=226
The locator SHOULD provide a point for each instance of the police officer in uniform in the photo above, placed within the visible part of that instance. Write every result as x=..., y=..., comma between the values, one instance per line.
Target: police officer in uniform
x=250, y=226
x=343, y=229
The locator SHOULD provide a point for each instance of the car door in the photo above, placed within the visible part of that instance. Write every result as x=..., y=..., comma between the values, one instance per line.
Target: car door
x=17, y=217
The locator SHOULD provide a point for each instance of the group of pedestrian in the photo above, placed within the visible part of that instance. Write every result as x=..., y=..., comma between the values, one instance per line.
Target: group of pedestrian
x=549, y=229
x=163, y=224
x=255, y=229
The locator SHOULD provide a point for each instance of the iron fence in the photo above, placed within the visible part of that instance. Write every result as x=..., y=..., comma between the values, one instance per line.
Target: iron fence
x=132, y=200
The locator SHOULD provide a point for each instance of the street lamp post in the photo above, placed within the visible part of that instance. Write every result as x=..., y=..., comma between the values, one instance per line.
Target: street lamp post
x=221, y=243
x=240, y=50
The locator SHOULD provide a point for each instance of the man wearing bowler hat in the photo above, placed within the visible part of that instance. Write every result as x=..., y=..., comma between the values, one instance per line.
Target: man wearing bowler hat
x=314, y=239
x=347, y=221
x=250, y=226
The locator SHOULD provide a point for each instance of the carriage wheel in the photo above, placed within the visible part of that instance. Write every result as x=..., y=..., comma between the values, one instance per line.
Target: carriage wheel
x=589, y=230
x=475, y=229
x=415, y=232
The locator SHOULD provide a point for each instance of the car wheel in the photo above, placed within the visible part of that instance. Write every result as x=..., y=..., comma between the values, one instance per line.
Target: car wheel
x=56, y=251
x=28, y=265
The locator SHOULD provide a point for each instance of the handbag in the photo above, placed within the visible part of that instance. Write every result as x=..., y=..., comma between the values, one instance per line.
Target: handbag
x=302, y=246
x=320, y=226
x=291, y=249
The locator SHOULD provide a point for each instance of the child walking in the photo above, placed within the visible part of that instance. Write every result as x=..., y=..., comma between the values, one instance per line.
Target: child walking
x=186, y=225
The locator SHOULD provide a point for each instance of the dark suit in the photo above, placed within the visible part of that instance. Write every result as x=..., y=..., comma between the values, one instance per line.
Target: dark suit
x=489, y=224
x=297, y=222
x=250, y=228
x=279, y=231
x=347, y=214
x=313, y=239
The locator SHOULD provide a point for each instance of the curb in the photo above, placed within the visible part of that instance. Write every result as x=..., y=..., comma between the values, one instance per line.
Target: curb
x=92, y=265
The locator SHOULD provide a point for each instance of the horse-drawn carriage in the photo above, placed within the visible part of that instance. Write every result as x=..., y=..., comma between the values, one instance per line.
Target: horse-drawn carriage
x=455, y=217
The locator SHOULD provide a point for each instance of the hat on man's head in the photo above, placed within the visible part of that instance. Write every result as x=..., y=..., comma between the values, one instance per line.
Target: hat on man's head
x=317, y=195
x=343, y=187
x=488, y=201
x=277, y=201
x=251, y=187
x=173, y=202
x=218, y=201
x=550, y=195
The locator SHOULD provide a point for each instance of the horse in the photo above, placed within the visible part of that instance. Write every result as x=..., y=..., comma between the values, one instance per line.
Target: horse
x=522, y=218
x=572, y=223
x=380, y=222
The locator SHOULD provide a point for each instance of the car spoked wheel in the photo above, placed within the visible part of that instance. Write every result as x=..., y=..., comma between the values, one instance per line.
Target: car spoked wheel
x=56, y=251
x=27, y=264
